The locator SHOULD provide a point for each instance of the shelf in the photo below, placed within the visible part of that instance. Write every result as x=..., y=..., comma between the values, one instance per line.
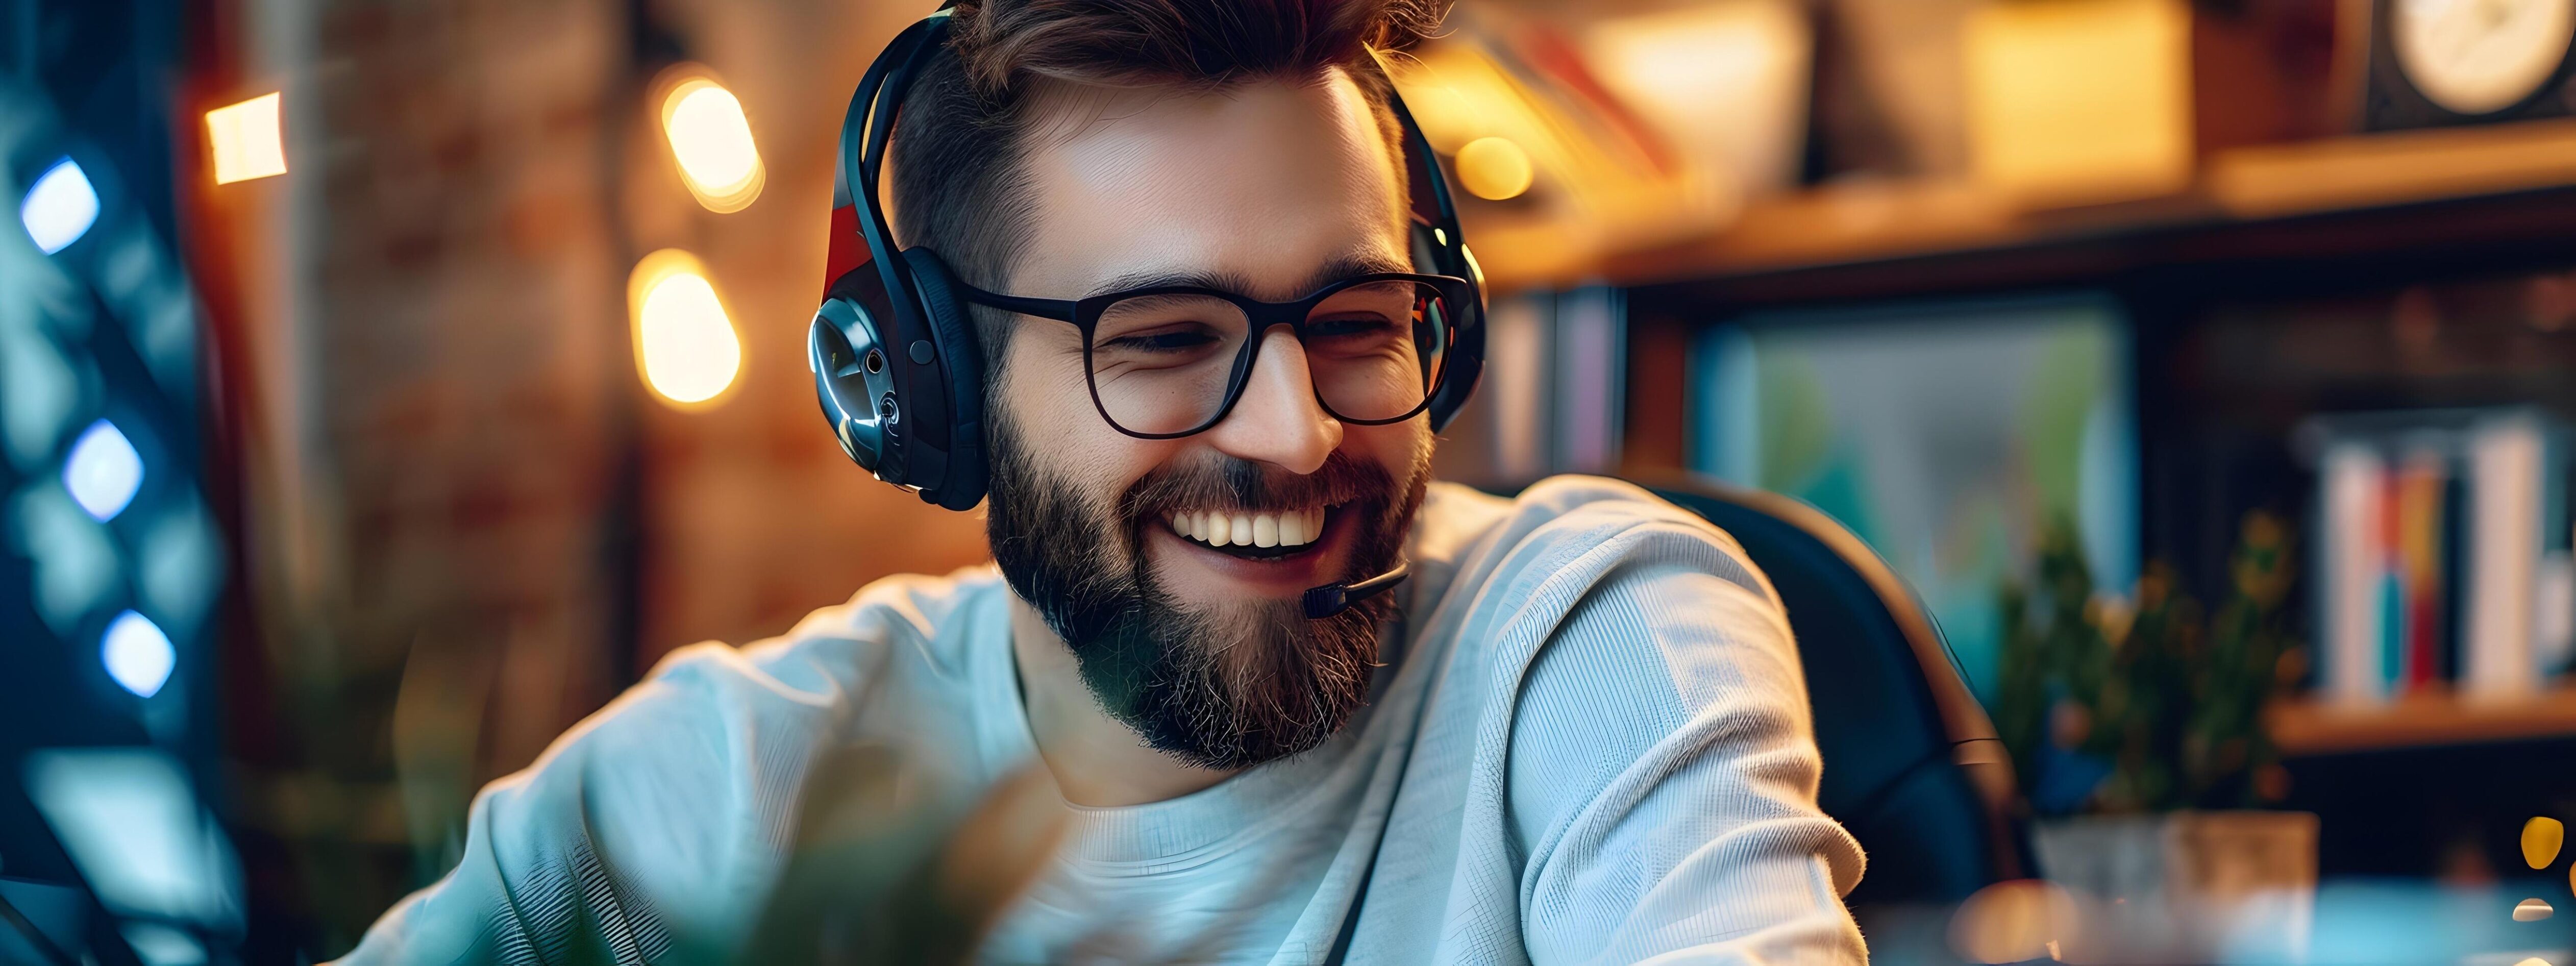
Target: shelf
x=2306, y=727
x=1878, y=223
x=2392, y=169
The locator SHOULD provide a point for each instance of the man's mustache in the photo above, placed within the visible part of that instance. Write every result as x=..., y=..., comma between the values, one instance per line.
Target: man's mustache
x=1227, y=483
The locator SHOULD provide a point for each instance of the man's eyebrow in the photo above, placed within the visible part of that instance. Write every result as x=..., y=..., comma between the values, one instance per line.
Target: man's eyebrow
x=1349, y=265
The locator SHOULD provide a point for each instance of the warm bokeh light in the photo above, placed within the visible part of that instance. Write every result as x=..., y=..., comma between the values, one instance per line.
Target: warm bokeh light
x=2541, y=838
x=1494, y=168
x=2532, y=910
x=684, y=342
x=247, y=140
x=59, y=207
x=2010, y=922
x=711, y=139
x=2080, y=103
x=1726, y=84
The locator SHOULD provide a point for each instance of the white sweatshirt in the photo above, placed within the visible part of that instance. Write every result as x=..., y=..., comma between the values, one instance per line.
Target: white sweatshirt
x=1590, y=745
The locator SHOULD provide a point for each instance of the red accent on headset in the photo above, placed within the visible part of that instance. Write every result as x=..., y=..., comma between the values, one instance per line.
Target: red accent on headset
x=849, y=251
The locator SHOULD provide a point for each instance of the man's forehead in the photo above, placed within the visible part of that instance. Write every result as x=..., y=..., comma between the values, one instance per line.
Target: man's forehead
x=1356, y=262
x=1269, y=187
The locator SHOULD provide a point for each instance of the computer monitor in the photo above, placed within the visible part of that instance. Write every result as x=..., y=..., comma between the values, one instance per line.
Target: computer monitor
x=1947, y=434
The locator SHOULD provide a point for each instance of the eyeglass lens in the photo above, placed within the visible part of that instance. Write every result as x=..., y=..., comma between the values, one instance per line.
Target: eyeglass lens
x=1164, y=364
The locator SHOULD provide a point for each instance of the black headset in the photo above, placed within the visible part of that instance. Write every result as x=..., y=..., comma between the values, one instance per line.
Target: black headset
x=893, y=350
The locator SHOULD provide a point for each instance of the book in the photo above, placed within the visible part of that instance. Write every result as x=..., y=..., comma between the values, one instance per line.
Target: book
x=2352, y=476
x=2443, y=554
x=2505, y=476
x=2417, y=558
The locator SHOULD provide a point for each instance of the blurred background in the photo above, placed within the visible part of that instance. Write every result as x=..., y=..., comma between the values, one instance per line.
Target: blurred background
x=385, y=386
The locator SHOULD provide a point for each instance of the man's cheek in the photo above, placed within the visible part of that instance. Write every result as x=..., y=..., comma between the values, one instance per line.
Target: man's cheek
x=1403, y=450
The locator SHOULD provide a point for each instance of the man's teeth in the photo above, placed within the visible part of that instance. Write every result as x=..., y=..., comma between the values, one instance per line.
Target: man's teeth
x=1219, y=529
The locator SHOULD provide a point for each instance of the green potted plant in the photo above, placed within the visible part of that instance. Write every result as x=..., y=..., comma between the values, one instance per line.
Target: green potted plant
x=2136, y=723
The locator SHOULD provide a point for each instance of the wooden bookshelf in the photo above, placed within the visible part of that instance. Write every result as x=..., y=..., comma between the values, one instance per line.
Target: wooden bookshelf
x=2307, y=727
x=1897, y=221
x=2392, y=169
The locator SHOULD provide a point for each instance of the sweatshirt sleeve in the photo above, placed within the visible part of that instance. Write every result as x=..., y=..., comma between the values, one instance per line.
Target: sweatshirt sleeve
x=1664, y=771
x=649, y=831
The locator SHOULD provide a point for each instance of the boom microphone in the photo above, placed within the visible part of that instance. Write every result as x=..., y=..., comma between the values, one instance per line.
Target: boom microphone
x=1331, y=599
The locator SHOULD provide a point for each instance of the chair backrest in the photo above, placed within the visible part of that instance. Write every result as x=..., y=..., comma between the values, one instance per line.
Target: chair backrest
x=1913, y=767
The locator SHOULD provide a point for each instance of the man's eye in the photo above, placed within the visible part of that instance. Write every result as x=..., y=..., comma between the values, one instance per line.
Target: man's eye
x=1169, y=340
x=1355, y=327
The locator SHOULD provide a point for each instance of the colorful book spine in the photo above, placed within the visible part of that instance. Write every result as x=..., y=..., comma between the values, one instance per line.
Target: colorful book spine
x=2506, y=474
x=2443, y=556
x=2350, y=526
x=2389, y=594
x=2419, y=555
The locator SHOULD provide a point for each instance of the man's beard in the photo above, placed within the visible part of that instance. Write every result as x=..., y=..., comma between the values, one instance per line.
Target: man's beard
x=1225, y=688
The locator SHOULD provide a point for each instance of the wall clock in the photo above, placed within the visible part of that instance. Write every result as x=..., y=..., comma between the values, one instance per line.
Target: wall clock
x=2440, y=62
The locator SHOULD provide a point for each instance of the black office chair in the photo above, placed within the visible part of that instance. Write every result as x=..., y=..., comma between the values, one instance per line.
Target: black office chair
x=1913, y=768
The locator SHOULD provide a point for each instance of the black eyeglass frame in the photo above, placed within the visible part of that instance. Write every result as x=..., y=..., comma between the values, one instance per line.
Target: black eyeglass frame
x=1084, y=314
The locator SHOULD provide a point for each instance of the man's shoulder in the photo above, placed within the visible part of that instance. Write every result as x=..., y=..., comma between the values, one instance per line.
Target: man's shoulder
x=1505, y=576
x=1560, y=521
x=903, y=633
x=910, y=608
x=1601, y=502
x=932, y=622
x=671, y=811
x=918, y=641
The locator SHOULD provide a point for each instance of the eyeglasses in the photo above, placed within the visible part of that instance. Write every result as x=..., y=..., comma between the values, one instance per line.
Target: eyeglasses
x=1165, y=362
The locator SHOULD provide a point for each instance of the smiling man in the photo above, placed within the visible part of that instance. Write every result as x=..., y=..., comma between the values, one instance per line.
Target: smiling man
x=1576, y=734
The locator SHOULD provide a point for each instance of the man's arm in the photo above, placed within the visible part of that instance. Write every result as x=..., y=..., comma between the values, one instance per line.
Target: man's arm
x=638, y=834
x=1664, y=770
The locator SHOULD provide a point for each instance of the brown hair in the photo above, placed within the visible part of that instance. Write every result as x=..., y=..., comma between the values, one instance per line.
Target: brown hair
x=957, y=142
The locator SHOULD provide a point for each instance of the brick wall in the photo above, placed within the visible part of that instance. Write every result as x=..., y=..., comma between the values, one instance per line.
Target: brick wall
x=465, y=524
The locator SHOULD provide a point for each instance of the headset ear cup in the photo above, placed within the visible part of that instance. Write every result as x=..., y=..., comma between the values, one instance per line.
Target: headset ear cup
x=853, y=378
x=1466, y=361
x=1466, y=365
x=961, y=362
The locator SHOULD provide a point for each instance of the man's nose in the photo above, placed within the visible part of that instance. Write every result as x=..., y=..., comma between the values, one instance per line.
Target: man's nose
x=1277, y=421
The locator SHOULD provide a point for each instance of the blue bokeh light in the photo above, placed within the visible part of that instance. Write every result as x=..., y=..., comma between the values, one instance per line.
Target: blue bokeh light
x=104, y=471
x=60, y=208
x=130, y=821
x=137, y=654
